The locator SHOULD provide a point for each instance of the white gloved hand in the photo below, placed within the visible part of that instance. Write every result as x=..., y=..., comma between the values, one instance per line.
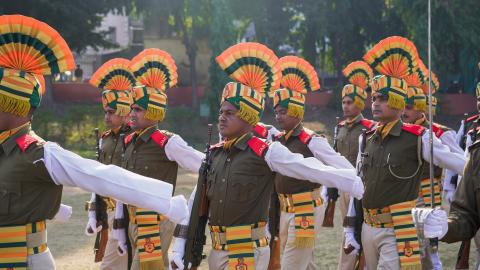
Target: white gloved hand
x=324, y=194
x=358, y=189
x=121, y=237
x=448, y=194
x=91, y=228
x=436, y=224
x=178, y=209
x=64, y=214
x=178, y=251
x=350, y=242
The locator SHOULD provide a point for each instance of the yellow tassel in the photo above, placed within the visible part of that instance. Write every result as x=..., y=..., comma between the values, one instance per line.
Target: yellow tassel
x=14, y=106
x=359, y=103
x=295, y=111
x=411, y=267
x=395, y=101
x=420, y=105
x=122, y=110
x=248, y=114
x=304, y=242
x=155, y=114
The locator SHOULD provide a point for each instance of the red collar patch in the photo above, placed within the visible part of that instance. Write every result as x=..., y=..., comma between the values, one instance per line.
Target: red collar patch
x=414, y=129
x=159, y=138
x=258, y=146
x=25, y=141
x=261, y=130
x=305, y=137
x=129, y=138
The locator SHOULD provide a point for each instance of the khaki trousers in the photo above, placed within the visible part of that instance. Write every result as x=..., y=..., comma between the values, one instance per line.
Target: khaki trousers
x=111, y=260
x=380, y=247
x=347, y=262
x=294, y=257
x=218, y=259
x=166, y=233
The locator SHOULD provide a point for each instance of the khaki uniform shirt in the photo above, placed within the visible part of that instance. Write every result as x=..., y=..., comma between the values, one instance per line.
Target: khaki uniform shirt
x=239, y=185
x=289, y=185
x=464, y=218
x=113, y=146
x=347, y=138
x=146, y=157
x=389, y=168
x=27, y=193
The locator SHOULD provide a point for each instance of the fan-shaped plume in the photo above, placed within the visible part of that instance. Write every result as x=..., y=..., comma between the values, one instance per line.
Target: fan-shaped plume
x=298, y=75
x=417, y=78
x=154, y=68
x=394, y=56
x=252, y=64
x=114, y=75
x=358, y=73
x=32, y=46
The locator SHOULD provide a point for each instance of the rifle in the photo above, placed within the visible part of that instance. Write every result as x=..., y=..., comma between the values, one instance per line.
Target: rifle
x=196, y=237
x=332, y=193
x=273, y=228
x=100, y=213
x=357, y=204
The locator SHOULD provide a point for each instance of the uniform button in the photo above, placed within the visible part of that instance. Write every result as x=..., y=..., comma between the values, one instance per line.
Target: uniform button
x=221, y=201
x=146, y=167
x=223, y=180
x=110, y=156
x=228, y=159
x=134, y=151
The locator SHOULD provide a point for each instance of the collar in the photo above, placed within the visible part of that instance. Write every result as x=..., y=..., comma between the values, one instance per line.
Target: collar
x=241, y=144
x=355, y=120
x=393, y=128
x=147, y=132
x=11, y=143
x=294, y=132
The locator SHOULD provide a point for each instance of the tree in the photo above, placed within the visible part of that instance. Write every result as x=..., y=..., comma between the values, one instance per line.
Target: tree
x=222, y=35
x=75, y=21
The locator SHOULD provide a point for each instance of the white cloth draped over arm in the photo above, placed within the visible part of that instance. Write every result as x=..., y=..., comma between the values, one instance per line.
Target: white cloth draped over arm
x=186, y=156
x=449, y=139
x=442, y=156
x=69, y=169
x=458, y=137
x=322, y=150
x=281, y=160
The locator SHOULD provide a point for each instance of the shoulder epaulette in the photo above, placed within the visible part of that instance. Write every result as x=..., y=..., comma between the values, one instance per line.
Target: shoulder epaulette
x=258, y=146
x=305, y=136
x=414, y=129
x=368, y=124
x=261, y=130
x=472, y=118
x=106, y=133
x=129, y=138
x=215, y=146
x=342, y=123
x=25, y=141
x=437, y=130
x=159, y=137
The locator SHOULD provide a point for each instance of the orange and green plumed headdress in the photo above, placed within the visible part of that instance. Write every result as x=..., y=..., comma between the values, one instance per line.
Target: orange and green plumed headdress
x=359, y=74
x=298, y=78
x=256, y=72
x=116, y=81
x=394, y=58
x=29, y=49
x=155, y=72
x=435, y=88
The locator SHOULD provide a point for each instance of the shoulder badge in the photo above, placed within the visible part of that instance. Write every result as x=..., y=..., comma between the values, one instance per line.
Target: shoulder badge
x=261, y=131
x=159, y=138
x=414, y=129
x=129, y=138
x=437, y=130
x=25, y=141
x=368, y=124
x=305, y=136
x=258, y=146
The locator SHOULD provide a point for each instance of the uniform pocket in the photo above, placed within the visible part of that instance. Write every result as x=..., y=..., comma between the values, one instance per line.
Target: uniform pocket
x=7, y=192
x=244, y=186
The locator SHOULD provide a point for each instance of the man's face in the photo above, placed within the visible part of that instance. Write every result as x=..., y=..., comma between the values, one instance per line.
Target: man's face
x=112, y=120
x=4, y=120
x=229, y=124
x=349, y=108
x=381, y=111
x=410, y=115
x=285, y=121
x=137, y=118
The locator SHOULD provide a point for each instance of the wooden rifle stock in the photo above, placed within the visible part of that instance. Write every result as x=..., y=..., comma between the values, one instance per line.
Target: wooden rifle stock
x=463, y=255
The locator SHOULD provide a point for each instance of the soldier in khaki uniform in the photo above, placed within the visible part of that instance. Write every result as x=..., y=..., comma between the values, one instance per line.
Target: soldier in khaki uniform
x=240, y=180
x=354, y=95
x=298, y=78
x=115, y=78
x=32, y=171
x=154, y=153
x=391, y=162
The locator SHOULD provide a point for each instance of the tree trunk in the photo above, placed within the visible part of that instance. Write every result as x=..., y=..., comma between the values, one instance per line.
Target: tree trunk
x=192, y=57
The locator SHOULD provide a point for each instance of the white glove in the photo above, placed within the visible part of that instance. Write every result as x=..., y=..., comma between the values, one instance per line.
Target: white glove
x=121, y=236
x=92, y=228
x=448, y=194
x=178, y=209
x=351, y=242
x=435, y=221
x=358, y=190
x=178, y=251
x=324, y=194
x=64, y=214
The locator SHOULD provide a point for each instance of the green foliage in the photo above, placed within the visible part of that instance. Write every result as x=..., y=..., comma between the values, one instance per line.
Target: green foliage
x=74, y=20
